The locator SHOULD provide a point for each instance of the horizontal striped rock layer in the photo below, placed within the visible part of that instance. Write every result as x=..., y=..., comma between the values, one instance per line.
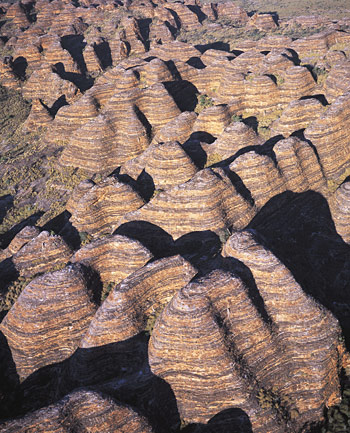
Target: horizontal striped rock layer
x=44, y=253
x=99, y=209
x=134, y=304
x=340, y=208
x=213, y=120
x=297, y=115
x=48, y=319
x=208, y=201
x=113, y=257
x=23, y=237
x=308, y=333
x=337, y=81
x=87, y=411
x=196, y=346
x=329, y=129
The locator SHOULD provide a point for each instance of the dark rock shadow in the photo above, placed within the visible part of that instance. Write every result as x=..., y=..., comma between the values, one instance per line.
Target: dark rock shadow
x=320, y=97
x=195, y=151
x=6, y=202
x=8, y=274
x=196, y=62
x=157, y=240
x=299, y=230
x=103, y=53
x=232, y=420
x=184, y=94
x=202, y=136
x=80, y=80
x=75, y=45
x=220, y=45
x=7, y=237
x=197, y=11
x=293, y=56
x=19, y=67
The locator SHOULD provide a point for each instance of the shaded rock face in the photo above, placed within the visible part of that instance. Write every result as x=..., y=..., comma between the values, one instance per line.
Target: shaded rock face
x=174, y=218
x=48, y=319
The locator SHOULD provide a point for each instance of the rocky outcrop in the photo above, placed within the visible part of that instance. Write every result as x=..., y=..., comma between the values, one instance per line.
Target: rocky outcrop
x=100, y=207
x=213, y=120
x=208, y=201
x=22, y=238
x=328, y=129
x=297, y=115
x=113, y=257
x=263, y=22
x=44, y=253
x=134, y=304
x=178, y=129
x=86, y=410
x=297, y=82
x=337, y=81
x=340, y=208
x=310, y=335
x=234, y=137
x=48, y=319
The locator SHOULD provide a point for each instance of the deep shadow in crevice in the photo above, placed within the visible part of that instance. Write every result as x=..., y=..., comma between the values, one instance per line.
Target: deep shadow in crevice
x=80, y=80
x=195, y=151
x=143, y=119
x=184, y=94
x=221, y=46
x=299, y=230
x=196, y=62
x=7, y=237
x=203, y=136
x=143, y=185
x=103, y=53
x=294, y=57
x=75, y=45
x=320, y=97
x=8, y=274
x=19, y=67
x=144, y=26
x=197, y=11
x=6, y=202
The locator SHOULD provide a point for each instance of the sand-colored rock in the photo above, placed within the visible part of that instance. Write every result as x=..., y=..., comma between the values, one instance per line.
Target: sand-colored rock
x=39, y=116
x=42, y=254
x=48, y=319
x=134, y=304
x=262, y=22
x=213, y=120
x=233, y=12
x=113, y=257
x=340, y=208
x=329, y=129
x=89, y=411
x=99, y=209
x=298, y=82
x=208, y=201
x=307, y=331
x=178, y=129
x=297, y=115
x=262, y=95
x=337, y=81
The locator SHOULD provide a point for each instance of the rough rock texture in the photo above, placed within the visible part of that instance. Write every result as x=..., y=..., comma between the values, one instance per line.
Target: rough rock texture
x=307, y=331
x=113, y=257
x=23, y=237
x=340, y=210
x=328, y=129
x=42, y=254
x=98, y=210
x=87, y=410
x=134, y=304
x=48, y=319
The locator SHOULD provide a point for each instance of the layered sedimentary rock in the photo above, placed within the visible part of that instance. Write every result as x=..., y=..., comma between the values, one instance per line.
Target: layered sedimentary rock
x=134, y=304
x=329, y=129
x=113, y=257
x=213, y=120
x=39, y=116
x=208, y=201
x=298, y=164
x=87, y=411
x=98, y=210
x=23, y=237
x=261, y=95
x=178, y=129
x=259, y=175
x=42, y=254
x=306, y=330
x=337, y=81
x=169, y=165
x=233, y=12
x=262, y=21
x=233, y=138
x=297, y=82
x=297, y=115
x=340, y=208
x=48, y=319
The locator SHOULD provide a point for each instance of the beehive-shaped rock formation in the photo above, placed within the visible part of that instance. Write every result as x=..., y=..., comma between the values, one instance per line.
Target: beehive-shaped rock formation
x=262, y=22
x=297, y=115
x=308, y=332
x=98, y=210
x=39, y=116
x=203, y=318
x=134, y=304
x=23, y=237
x=208, y=201
x=233, y=12
x=328, y=129
x=340, y=208
x=234, y=137
x=260, y=175
x=42, y=254
x=213, y=120
x=261, y=96
x=87, y=410
x=298, y=82
x=48, y=319
x=113, y=257
x=298, y=164
x=337, y=81
x=178, y=129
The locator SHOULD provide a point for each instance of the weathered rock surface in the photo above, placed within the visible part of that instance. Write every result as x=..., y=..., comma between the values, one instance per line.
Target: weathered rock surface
x=113, y=257
x=87, y=410
x=49, y=318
